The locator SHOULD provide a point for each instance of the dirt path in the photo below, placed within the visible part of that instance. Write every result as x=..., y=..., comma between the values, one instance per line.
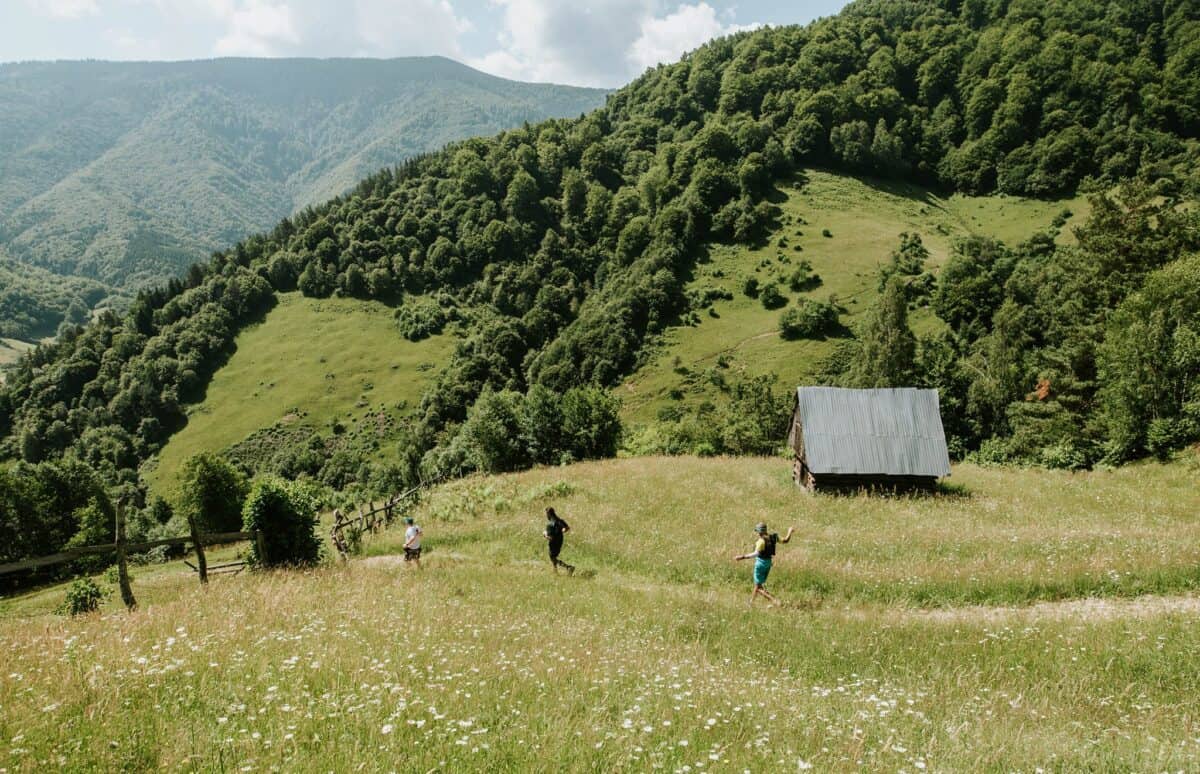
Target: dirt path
x=1087, y=609
x=1084, y=609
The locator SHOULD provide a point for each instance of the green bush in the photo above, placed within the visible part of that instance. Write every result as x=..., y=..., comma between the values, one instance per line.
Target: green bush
x=591, y=423
x=354, y=539
x=493, y=432
x=811, y=319
x=803, y=278
x=83, y=596
x=286, y=514
x=421, y=318
x=771, y=298
x=993, y=451
x=1166, y=434
x=212, y=492
x=112, y=575
x=1064, y=456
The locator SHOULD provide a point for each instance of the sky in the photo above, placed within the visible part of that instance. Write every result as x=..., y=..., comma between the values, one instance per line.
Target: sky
x=580, y=42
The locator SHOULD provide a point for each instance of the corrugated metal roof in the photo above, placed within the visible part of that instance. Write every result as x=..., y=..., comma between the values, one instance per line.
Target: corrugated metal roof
x=896, y=432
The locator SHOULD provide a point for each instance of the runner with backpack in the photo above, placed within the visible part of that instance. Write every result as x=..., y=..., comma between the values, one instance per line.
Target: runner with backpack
x=555, y=529
x=763, y=554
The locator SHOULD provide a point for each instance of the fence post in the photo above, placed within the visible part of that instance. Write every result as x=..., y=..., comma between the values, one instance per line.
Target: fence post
x=261, y=545
x=122, y=564
x=201, y=561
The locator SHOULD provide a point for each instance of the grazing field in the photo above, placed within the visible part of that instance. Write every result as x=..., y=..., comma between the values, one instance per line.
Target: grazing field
x=864, y=219
x=312, y=361
x=1021, y=620
x=10, y=352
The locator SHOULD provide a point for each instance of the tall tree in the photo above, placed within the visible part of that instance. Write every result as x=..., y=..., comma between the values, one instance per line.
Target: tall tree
x=889, y=348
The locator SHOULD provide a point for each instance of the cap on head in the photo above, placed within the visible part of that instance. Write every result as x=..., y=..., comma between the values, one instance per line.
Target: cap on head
x=760, y=528
x=408, y=520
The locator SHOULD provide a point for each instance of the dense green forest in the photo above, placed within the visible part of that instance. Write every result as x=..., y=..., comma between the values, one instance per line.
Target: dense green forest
x=559, y=251
x=34, y=302
x=128, y=172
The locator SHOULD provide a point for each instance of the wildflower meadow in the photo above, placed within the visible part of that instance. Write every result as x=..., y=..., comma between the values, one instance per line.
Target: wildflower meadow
x=1022, y=621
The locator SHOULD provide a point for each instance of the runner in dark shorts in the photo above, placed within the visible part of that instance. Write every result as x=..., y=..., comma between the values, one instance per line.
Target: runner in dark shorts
x=555, y=529
x=412, y=542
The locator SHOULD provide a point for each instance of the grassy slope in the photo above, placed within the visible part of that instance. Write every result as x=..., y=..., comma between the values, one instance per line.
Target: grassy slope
x=865, y=218
x=488, y=661
x=311, y=359
x=11, y=351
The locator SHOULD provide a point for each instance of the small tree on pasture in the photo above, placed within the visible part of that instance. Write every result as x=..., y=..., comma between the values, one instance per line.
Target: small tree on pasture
x=286, y=515
x=889, y=348
x=213, y=492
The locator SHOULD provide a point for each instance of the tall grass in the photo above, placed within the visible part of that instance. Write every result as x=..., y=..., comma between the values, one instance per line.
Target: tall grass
x=648, y=659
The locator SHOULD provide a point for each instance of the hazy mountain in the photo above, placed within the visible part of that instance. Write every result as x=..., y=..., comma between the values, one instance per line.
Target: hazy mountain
x=128, y=172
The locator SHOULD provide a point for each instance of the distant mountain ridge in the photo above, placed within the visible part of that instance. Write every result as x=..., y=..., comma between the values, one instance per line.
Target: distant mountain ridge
x=127, y=172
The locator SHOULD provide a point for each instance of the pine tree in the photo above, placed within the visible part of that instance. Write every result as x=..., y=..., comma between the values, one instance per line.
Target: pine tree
x=889, y=348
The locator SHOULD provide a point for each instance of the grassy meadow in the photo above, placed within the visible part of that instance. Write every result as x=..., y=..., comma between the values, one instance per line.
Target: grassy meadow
x=864, y=218
x=1022, y=620
x=311, y=360
x=10, y=352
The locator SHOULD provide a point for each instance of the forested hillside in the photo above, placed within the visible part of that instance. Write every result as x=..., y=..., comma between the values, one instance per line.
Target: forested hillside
x=35, y=301
x=558, y=253
x=127, y=173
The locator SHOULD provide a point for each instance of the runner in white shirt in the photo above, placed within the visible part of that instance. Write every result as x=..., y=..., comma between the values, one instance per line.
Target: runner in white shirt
x=412, y=542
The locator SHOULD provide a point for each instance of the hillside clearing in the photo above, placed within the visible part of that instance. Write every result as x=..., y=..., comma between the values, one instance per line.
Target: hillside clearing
x=10, y=352
x=864, y=218
x=648, y=657
x=310, y=361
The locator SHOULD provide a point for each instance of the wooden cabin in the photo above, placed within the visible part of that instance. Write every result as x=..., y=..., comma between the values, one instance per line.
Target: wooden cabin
x=868, y=439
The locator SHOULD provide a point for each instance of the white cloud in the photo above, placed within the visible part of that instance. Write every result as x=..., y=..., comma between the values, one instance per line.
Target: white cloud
x=595, y=42
x=583, y=42
x=65, y=9
x=381, y=28
x=666, y=39
x=128, y=44
x=408, y=27
x=258, y=29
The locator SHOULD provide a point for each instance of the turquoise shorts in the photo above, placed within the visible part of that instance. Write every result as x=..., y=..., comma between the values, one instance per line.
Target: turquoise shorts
x=762, y=568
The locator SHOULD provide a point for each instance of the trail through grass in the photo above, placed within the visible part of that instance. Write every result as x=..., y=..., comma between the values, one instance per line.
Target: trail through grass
x=648, y=659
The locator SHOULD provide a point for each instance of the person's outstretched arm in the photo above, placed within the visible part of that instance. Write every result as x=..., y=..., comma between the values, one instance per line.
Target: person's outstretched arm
x=789, y=535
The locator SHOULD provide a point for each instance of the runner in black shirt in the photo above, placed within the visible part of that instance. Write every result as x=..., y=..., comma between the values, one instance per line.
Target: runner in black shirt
x=555, y=529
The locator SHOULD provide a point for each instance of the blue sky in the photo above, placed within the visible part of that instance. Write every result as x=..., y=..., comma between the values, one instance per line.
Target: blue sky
x=584, y=42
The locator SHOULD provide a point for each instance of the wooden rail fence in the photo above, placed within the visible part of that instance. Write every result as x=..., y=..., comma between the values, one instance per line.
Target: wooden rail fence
x=371, y=518
x=368, y=518
x=123, y=548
